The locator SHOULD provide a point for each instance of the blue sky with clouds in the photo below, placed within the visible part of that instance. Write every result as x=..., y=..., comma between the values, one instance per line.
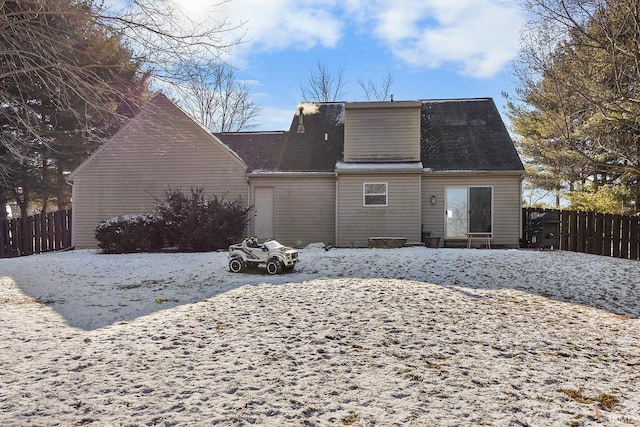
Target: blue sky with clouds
x=432, y=48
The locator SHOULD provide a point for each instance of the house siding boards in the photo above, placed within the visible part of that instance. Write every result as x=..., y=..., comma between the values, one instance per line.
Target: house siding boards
x=161, y=148
x=382, y=132
x=506, y=211
x=419, y=148
x=304, y=207
x=400, y=218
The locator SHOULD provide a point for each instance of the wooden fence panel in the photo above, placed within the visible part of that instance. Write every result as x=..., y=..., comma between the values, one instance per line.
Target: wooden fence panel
x=625, y=238
x=42, y=225
x=581, y=232
x=573, y=231
x=55, y=221
x=606, y=237
x=17, y=233
x=67, y=229
x=615, y=236
x=634, y=243
x=35, y=234
x=564, y=231
x=599, y=233
x=591, y=232
x=4, y=239
x=27, y=236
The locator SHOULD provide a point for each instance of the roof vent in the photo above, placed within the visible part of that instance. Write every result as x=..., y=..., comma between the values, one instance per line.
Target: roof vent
x=300, y=120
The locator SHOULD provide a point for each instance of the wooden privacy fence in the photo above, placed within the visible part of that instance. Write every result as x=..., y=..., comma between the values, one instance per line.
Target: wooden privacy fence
x=35, y=234
x=587, y=232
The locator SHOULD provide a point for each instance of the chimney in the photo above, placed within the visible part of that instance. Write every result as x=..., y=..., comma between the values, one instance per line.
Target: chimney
x=300, y=120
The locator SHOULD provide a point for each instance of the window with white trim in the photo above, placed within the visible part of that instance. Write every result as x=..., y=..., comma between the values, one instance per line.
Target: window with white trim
x=375, y=193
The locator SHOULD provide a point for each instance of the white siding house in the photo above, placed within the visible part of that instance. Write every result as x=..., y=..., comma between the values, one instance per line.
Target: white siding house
x=342, y=173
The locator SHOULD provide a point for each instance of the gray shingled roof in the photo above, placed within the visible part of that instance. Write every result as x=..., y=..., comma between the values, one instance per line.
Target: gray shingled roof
x=456, y=135
x=321, y=144
x=465, y=134
x=259, y=150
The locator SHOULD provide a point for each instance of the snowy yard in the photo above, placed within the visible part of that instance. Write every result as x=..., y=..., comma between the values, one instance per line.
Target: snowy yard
x=359, y=337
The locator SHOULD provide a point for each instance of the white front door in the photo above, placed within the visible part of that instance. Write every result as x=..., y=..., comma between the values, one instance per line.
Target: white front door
x=263, y=210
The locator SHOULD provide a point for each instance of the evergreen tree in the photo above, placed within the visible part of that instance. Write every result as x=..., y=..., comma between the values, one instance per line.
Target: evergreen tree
x=49, y=124
x=577, y=107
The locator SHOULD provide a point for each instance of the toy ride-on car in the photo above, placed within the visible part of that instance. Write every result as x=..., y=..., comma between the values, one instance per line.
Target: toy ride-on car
x=271, y=255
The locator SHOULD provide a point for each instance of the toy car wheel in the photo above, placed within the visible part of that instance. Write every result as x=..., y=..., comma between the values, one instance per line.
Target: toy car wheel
x=236, y=265
x=274, y=266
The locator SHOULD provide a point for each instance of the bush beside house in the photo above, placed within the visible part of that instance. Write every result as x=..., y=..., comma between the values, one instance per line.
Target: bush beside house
x=189, y=222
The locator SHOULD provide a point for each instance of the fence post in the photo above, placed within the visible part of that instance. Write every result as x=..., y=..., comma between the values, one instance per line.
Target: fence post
x=57, y=220
x=599, y=219
x=67, y=228
x=563, y=239
x=4, y=237
x=15, y=237
x=525, y=227
x=624, y=250
x=27, y=237
x=37, y=234
x=634, y=244
x=582, y=225
x=606, y=241
x=51, y=243
x=573, y=230
x=616, y=236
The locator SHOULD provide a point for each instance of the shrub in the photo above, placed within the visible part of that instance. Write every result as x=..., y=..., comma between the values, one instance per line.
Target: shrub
x=130, y=233
x=195, y=222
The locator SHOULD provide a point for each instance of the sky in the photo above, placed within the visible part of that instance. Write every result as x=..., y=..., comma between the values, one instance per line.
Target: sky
x=431, y=48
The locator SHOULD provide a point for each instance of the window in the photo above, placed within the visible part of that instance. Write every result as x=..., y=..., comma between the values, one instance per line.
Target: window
x=375, y=194
x=469, y=210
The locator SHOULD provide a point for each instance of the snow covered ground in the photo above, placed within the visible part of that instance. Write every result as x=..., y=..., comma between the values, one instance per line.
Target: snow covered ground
x=364, y=337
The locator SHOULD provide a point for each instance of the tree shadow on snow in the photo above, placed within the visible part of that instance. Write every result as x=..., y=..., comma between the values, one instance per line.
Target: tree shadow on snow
x=91, y=290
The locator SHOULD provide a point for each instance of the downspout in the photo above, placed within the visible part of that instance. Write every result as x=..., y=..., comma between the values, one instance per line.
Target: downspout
x=73, y=217
x=420, y=197
x=335, y=243
x=520, y=212
x=249, y=223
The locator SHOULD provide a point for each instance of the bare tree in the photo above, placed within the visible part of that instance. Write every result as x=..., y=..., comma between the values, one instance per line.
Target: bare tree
x=377, y=92
x=215, y=97
x=165, y=39
x=36, y=50
x=324, y=85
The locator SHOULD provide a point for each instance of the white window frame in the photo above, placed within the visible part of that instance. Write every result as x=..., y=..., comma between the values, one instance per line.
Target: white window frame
x=365, y=194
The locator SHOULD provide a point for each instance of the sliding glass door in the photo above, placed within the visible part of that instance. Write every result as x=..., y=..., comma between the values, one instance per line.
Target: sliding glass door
x=469, y=210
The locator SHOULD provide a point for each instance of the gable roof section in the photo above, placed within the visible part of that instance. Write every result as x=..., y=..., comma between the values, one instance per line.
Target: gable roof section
x=261, y=151
x=160, y=113
x=467, y=135
x=456, y=135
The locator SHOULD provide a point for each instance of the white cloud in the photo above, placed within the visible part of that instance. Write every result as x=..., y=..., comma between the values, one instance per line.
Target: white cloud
x=284, y=24
x=478, y=37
